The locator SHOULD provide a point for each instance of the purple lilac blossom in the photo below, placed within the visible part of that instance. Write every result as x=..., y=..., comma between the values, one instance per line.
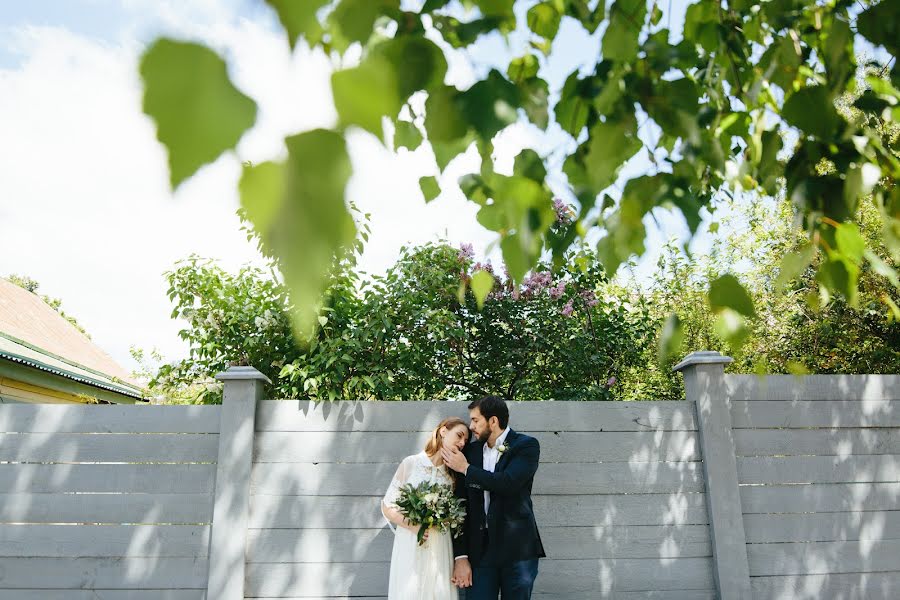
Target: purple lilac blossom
x=537, y=281
x=466, y=251
x=568, y=308
x=589, y=297
x=563, y=212
x=557, y=291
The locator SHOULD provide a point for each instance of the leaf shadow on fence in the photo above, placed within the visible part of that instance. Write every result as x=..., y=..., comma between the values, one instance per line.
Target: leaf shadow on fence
x=818, y=462
x=618, y=496
x=109, y=500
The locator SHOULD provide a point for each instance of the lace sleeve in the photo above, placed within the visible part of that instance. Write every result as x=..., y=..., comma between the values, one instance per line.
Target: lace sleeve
x=393, y=491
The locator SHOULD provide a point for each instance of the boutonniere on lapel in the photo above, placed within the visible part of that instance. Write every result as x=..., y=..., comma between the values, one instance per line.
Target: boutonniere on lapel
x=502, y=448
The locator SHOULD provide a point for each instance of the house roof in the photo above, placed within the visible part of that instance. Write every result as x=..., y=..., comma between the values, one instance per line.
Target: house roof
x=34, y=334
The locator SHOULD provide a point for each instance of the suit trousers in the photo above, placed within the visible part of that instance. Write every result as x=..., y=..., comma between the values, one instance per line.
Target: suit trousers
x=513, y=581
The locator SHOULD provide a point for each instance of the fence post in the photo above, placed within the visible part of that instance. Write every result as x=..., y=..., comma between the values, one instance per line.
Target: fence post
x=704, y=383
x=228, y=536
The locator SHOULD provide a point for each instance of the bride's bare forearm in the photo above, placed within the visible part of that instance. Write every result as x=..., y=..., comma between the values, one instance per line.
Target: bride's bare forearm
x=395, y=516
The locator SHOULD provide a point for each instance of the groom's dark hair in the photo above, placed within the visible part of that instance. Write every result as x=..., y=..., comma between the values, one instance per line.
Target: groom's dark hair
x=492, y=406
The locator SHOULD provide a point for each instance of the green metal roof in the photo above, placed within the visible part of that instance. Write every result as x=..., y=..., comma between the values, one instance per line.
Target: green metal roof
x=22, y=352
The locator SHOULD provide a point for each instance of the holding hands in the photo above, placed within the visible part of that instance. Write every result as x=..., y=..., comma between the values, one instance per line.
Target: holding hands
x=462, y=573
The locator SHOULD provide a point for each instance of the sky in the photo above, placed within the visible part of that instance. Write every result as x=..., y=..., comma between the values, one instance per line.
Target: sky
x=85, y=207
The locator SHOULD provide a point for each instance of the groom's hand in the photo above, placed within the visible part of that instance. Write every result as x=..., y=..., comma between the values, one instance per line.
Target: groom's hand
x=455, y=460
x=462, y=573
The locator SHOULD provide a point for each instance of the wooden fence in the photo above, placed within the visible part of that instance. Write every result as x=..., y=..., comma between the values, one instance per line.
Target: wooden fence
x=755, y=487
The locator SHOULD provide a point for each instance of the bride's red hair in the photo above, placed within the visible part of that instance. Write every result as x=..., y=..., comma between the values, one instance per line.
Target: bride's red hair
x=434, y=443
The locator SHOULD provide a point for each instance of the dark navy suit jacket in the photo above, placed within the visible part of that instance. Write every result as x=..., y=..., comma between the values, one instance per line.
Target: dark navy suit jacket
x=510, y=520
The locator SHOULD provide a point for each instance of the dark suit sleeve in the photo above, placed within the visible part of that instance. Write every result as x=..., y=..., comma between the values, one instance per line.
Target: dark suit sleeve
x=523, y=464
x=461, y=543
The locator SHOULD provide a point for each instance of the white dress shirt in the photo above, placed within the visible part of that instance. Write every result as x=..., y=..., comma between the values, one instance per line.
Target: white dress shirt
x=490, y=457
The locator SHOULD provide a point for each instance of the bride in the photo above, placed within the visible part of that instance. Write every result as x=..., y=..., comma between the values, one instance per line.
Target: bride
x=423, y=572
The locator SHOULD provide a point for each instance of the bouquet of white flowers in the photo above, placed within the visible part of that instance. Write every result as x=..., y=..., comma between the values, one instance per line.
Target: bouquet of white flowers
x=431, y=505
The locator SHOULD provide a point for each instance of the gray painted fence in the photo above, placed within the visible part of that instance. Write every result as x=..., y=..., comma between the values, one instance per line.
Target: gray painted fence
x=798, y=495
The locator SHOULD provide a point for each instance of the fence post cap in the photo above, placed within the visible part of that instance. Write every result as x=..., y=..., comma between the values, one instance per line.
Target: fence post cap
x=703, y=357
x=241, y=373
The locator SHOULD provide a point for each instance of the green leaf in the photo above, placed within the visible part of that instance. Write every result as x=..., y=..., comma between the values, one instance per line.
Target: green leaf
x=529, y=164
x=812, y=110
x=793, y=264
x=495, y=8
x=355, y=19
x=522, y=68
x=482, y=284
x=883, y=269
x=840, y=276
x=626, y=20
x=535, y=93
x=199, y=114
x=444, y=119
x=727, y=292
x=430, y=188
x=880, y=24
x=849, y=242
x=418, y=63
x=543, y=19
x=732, y=327
x=406, y=135
x=365, y=94
x=574, y=106
x=596, y=163
x=262, y=191
x=590, y=19
x=490, y=105
x=611, y=144
x=670, y=340
x=298, y=209
x=521, y=212
x=700, y=25
x=298, y=18
x=839, y=60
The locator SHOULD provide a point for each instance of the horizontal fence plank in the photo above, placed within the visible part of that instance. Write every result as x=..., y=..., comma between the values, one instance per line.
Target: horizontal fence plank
x=106, y=508
x=812, y=387
x=108, y=447
x=823, y=527
x=132, y=478
x=573, y=478
x=846, y=586
x=556, y=447
x=666, y=595
x=818, y=469
x=104, y=540
x=824, y=413
x=375, y=545
x=819, y=442
x=303, y=415
x=110, y=573
x=112, y=418
x=821, y=558
x=277, y=511
x=578, y=578
x=98, y=594
x=834, y=497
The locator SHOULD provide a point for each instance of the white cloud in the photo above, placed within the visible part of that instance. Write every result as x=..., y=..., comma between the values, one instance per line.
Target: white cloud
x=84, y=202
x=86, y=209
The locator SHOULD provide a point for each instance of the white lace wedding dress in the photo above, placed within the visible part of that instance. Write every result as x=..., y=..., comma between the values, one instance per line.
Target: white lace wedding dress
x=419, y=572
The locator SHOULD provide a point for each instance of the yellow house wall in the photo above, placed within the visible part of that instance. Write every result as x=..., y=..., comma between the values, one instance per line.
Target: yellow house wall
x=26, y=392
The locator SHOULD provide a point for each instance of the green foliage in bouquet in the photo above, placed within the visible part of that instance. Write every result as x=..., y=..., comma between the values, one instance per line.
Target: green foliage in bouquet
x=431, y=505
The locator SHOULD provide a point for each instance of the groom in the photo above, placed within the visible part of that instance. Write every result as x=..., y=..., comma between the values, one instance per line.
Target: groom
x=499, y=547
